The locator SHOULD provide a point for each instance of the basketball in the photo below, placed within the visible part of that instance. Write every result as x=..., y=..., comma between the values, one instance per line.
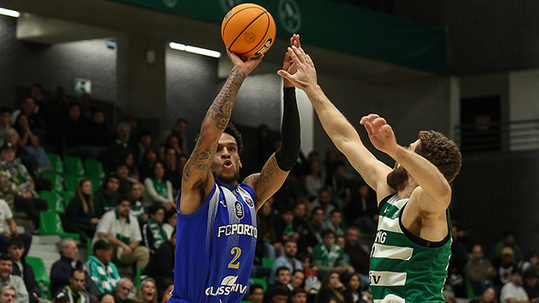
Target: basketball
x=248, y=30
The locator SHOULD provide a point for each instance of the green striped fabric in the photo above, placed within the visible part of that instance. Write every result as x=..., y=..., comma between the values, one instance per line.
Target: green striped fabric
x=402, y=270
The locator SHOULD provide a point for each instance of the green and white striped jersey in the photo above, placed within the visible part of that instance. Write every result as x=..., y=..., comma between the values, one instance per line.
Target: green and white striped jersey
x=405, y=268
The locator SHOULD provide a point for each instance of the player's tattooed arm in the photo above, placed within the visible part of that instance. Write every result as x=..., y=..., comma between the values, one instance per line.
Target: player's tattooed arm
x=267, y=182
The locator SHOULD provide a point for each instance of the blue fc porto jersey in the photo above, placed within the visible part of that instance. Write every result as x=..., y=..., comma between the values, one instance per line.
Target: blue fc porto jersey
x=215, y=247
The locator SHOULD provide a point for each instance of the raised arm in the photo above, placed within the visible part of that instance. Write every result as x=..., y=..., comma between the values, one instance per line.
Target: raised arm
x=197, y=178
x=341, y=132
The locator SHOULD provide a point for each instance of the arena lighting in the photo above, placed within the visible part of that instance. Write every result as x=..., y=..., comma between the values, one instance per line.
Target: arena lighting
x=9, y=12
x=194, y=50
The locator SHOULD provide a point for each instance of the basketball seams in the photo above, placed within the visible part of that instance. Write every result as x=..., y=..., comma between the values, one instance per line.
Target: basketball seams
x=245, y=28
x=223, y=28
x=268, y=24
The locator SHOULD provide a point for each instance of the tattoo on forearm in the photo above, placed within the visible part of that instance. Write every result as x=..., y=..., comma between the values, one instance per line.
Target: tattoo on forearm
x=200, y=160
x=267, y=173
x=221, y=108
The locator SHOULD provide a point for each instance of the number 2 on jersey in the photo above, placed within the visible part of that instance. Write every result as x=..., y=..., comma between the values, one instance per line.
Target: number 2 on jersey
x=237, y=252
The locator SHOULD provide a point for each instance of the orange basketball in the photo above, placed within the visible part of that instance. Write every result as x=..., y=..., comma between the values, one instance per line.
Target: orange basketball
x=248, y=30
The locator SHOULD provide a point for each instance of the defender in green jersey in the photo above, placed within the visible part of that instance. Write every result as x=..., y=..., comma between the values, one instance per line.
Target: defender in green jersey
x=413, y=243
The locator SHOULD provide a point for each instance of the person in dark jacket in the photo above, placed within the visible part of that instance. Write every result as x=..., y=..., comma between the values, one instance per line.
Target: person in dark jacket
x=81, y=213
x=22, y=269
x=161, y=265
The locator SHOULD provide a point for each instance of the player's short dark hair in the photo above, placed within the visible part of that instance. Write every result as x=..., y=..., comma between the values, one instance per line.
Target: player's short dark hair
x=233, y=131
x=15, y=241
x=280, y=269
x=440, y=151
x=254, y=287
x=155, y=207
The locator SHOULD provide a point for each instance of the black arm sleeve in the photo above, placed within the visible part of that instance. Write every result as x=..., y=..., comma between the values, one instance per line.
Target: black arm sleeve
x=287, y=154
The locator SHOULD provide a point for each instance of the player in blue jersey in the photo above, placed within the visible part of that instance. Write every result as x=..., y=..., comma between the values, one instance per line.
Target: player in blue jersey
x=216, y=229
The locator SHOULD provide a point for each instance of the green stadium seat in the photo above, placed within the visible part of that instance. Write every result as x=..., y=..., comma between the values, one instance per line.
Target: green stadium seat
x=94, y=169
x=67, y=196
x=96, y=183
x=54, y=200
x=56, y=163
x=261, y=281
x=42, y=278
x=56, y=180
x=268, y=262
x=50, y=224
x=74, y=165
x=71, y=182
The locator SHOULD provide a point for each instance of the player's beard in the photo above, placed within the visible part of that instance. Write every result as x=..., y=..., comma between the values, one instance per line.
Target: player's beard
x=398, y=178
x=232, y=179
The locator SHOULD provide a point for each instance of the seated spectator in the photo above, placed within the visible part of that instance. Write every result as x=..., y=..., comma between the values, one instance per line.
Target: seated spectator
x=5, y=120
x=284, y=229
x=256, y=293
x=179, y=130
x=123, y=289
x=149, y=158
x=512, y=292
x=339, y=184
x=313, y=181
x=332, y=288
x=98, y=132
x=136, y=197
x=334, y=223
x=171, y=218
x=507, y=241
x=120, y=144
x=311, y=232
x=105, y=197
x=182, y=160
x=7, y=294
x=106, y=298
x=152, y=232
x=164, y=290
x=7, y=277
x=8, y=229
x=81, y=213
x=22, y=269
x=161, y=266
x=143, y=143
x=28, y=160
x=282, y=278
x=62, y=270
x=530, y=285
x=35, y=119
x=280, y=295
x=504, y=266
x=100, y=268
x=531, y=263
x=359, y=258
x=489, y=296
x=129, y=160
x=312, y=283
x=84, y=100
x=122, y=171
x=362, y=211
x=158, y=188
x=31, y=143
x=74, y=292
x=288, y=259
x=75, y=136
x=126, y=240
x=329, y=256
x=17, y=186
x=324, y=201
x=479, y=271
x=268, y=244
x=353, y=293
x=299, y=295
x=171, y=168
x=297, y=279
x=147, y=293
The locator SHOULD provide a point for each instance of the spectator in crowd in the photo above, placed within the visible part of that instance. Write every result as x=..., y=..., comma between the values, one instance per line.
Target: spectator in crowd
x=504, y=267
x=120, y=144
x=171, y=218
x=288, y=259
x=17, y=186
x=359, y=258
x=126, y=240
x=158, y=188
x=280, y=295
x=173, y=141
x=84, y=100
x=332, y=288
x=62, y=270
x=489, y=296
x=74, y=292
x=313, y=181
x=329, y=256
x=164, y=290
x=179, y=129
x=8, y=229
x=297, y=279
x=161, y=265
x=75, y=136
x=136, y=197
x=31, y=142
x=5, y=119
x=152, y=232
x=28, y=160
x=353, y=292
x=256, y=293
x=312, y=232
x=22, y=269
x=284, y=229
x=531, y=263
x=282, y=278
x=106, y=196
x=36, y=92
x=339, y=184
x=122, y=171
x=299, y=295
x=7, y=277
x=268, y=241
x=182, y=160
x=333, y=223
x=144, y=142
x=106, y=298
x=479, y=271
x=530, y=285
x=512, y=292
x=7, y=294
x=31, y=110
x=362, y=211
x=98, y=132
x=100, y=268
x=324, y=200
x=507, y=241
x=300, y=216
x=147, y=292
x=128, y=158
x=123, y=289
x=149, y=159
x=171, y=168
x=81, y=213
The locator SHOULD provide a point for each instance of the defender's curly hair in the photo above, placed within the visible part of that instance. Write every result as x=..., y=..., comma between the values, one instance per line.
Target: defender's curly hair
x=440, y=151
